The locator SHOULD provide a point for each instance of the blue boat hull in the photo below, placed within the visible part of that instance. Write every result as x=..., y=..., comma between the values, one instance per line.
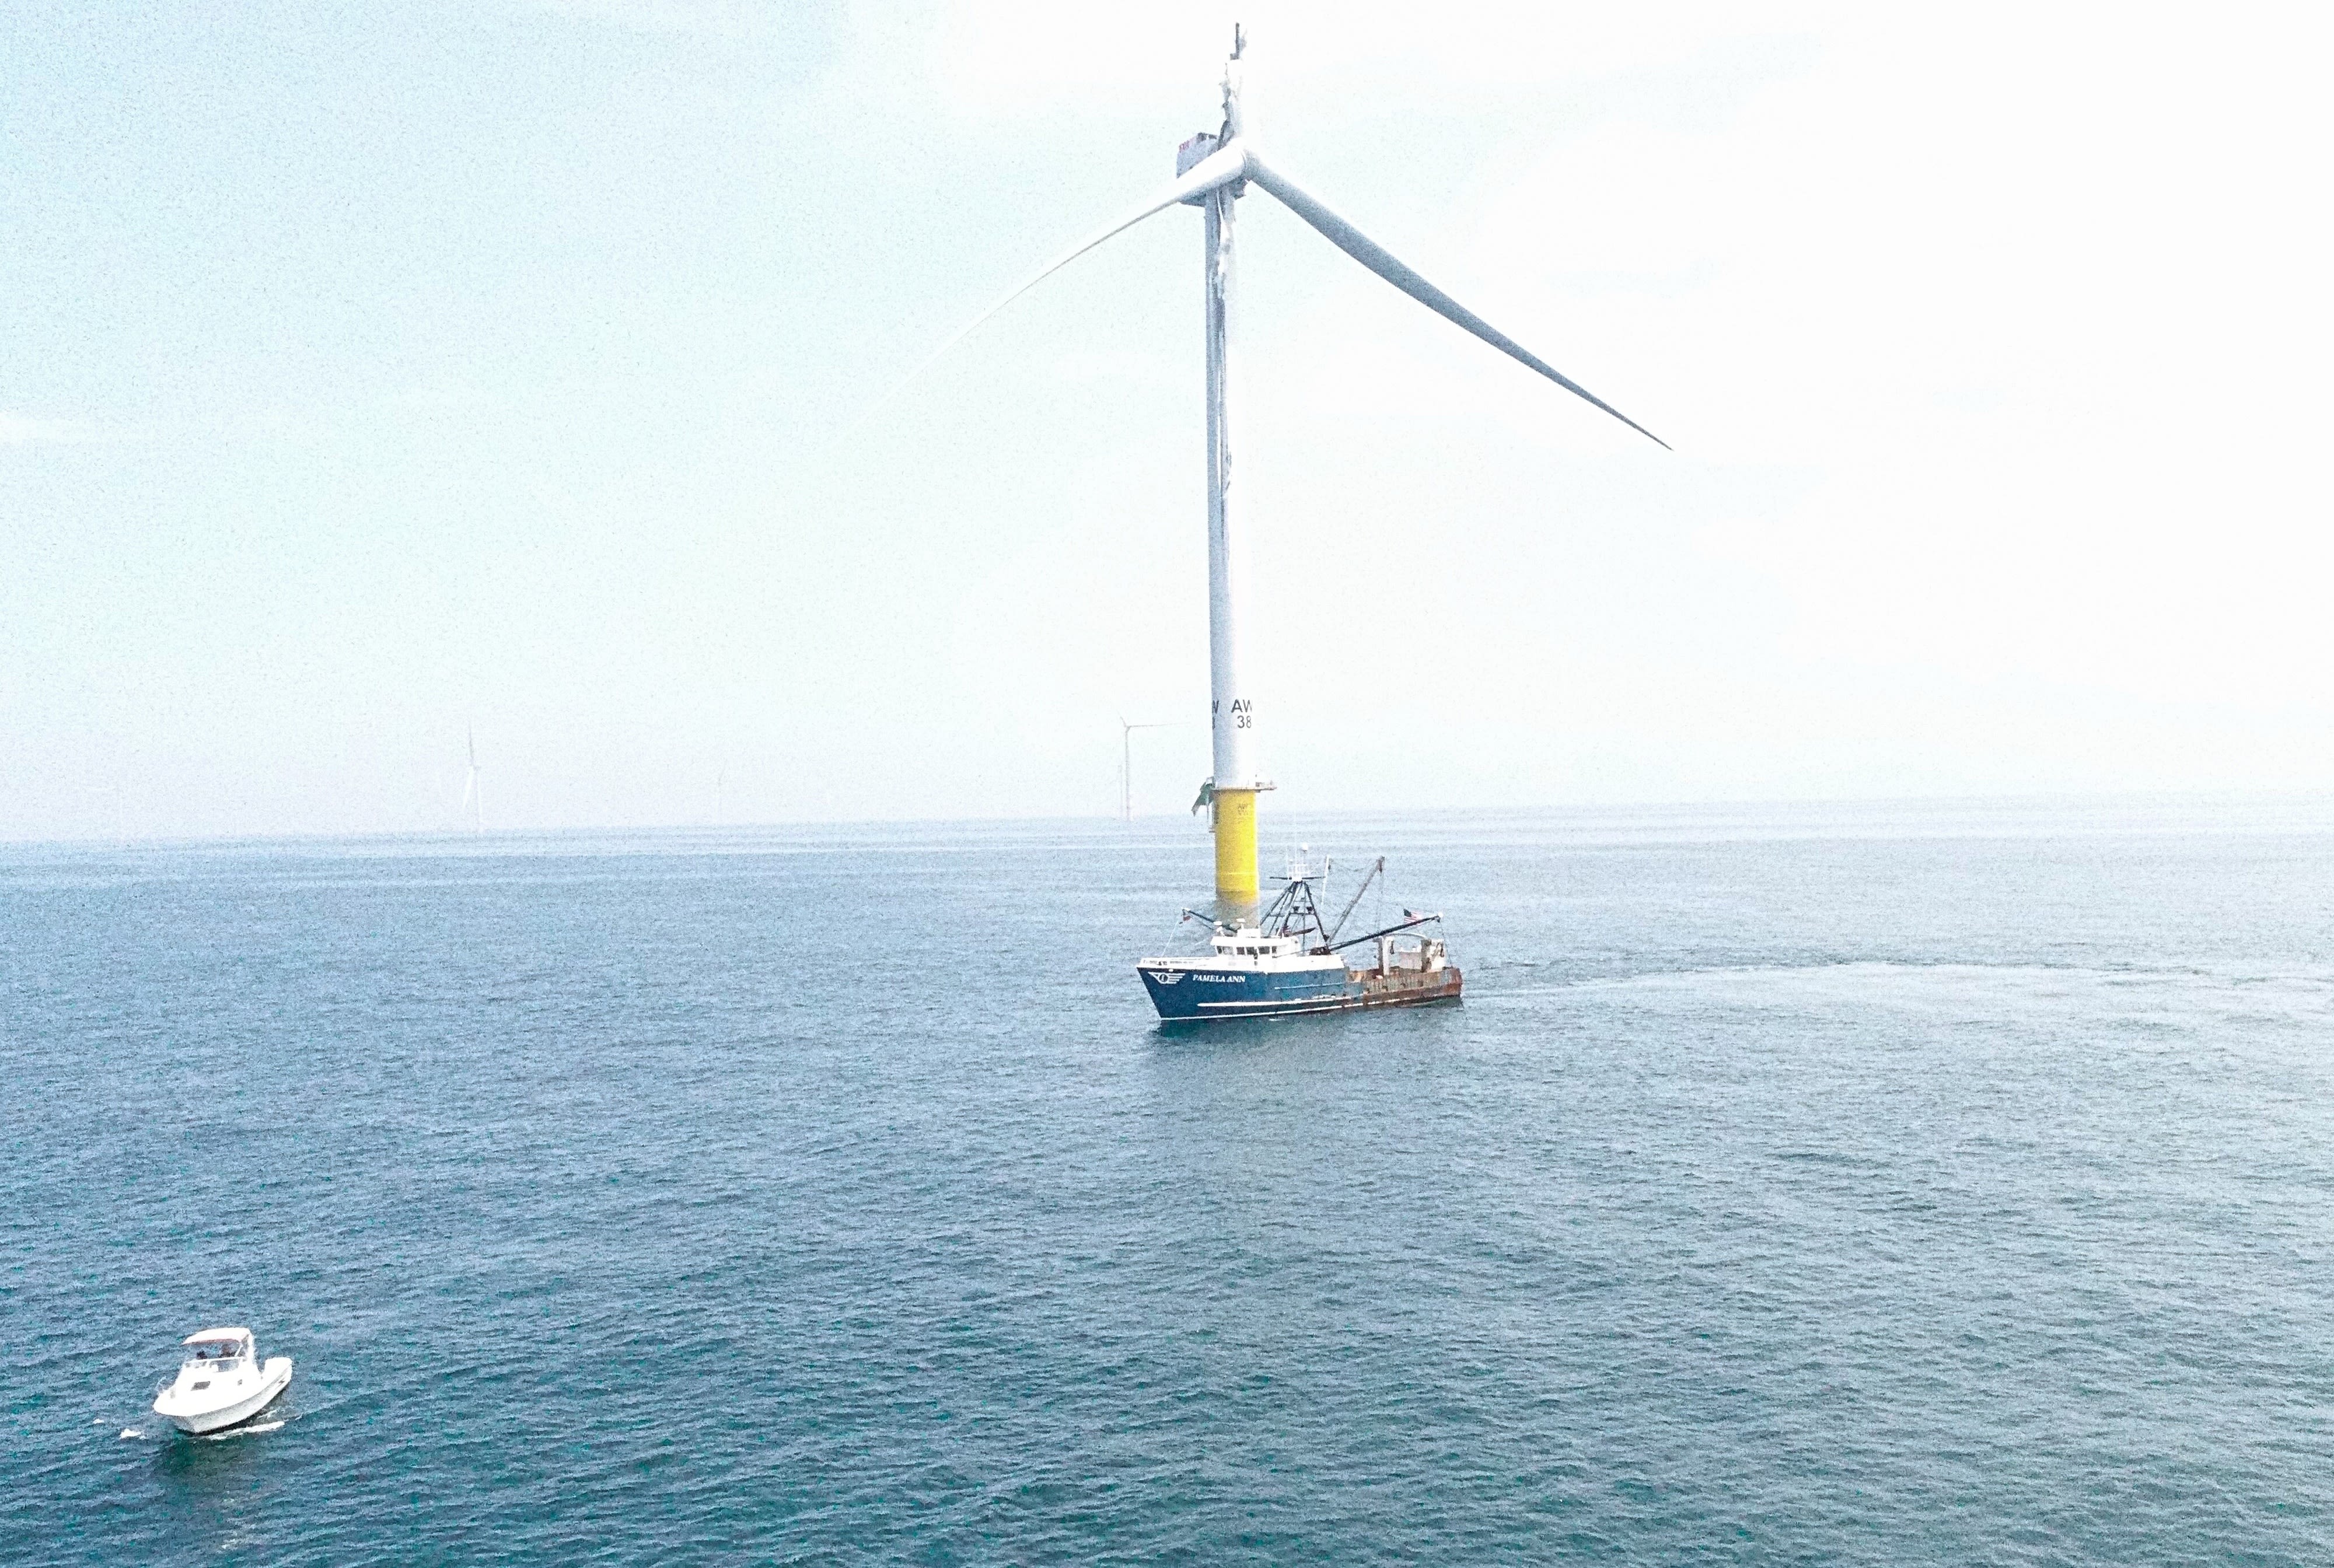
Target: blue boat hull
x=1183, y=995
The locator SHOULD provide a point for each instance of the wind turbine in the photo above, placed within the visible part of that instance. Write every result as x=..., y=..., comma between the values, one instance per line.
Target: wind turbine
x=1214, y=171
x=1126, y=765
x=470, y=788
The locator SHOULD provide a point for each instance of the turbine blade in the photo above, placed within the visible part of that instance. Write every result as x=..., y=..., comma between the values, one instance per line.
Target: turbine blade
x=1220, y=166
x=1381, y=260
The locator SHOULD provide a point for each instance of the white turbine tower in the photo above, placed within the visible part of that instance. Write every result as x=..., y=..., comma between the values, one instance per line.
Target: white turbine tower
x=1214, y=171
x=471, y=799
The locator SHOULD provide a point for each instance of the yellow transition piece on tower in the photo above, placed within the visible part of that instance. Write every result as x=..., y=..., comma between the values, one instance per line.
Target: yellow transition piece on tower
x=1235, y=814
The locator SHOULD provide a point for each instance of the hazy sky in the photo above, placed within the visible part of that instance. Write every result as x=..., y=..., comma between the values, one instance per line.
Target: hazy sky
x=371, y=371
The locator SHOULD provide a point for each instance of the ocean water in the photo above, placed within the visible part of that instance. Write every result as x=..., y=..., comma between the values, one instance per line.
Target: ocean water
x=1926, y=1184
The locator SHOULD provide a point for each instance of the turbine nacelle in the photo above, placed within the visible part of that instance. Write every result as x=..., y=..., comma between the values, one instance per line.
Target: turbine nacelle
x=1190, y=155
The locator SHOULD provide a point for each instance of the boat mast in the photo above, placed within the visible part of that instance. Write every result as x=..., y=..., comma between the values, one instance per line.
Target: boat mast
x=1231, y=711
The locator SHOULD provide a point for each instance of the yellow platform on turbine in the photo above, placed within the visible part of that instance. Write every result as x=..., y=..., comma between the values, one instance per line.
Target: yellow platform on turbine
x=1235, y=820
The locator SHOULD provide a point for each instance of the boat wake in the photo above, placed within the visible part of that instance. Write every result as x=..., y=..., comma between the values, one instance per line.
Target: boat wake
x=164, y=1433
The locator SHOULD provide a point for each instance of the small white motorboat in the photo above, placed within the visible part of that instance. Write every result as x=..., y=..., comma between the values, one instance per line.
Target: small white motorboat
x=223, y=1384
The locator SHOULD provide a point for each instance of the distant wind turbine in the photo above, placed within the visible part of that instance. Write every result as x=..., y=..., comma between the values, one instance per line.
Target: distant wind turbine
x=471, y=790
x=1126, y=765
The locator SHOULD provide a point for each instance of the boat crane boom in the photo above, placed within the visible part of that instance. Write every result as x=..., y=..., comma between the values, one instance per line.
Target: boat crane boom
x=1415, y=920
x=1355, y=901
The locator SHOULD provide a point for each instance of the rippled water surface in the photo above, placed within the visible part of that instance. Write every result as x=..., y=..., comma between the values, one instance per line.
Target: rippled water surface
x=1927, y=1185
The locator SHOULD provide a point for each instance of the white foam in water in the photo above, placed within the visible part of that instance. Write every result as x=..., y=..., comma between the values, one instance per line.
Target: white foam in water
x=240, y=1431
x=130, y=1433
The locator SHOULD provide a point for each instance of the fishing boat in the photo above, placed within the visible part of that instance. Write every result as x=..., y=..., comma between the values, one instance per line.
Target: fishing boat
x=1289, y=961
